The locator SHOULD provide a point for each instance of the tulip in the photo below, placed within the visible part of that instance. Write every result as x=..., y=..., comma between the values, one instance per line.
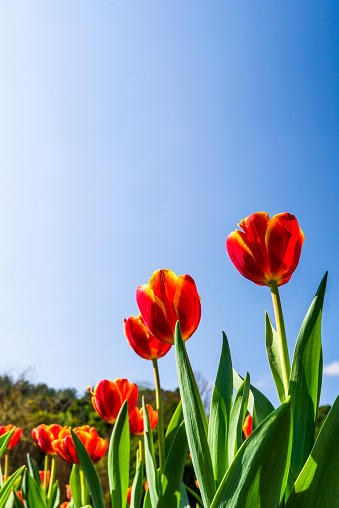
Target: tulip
x=43, y=478
x=165, y=300
x=136, y=420
x=108, y=397
x=19, y=494
x=129, y=495
x=15, y=436
x=266, y=249
x=95, y=445
x=144, y=344
x=44, y=435
x=247, y=427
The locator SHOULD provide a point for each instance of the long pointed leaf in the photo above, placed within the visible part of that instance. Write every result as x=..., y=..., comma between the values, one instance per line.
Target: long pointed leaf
x=90, y=472
x=75, y=484
x=258, y=405
x=256, y=475
x=220, y=414
x=237, y=418
x=194, y=416
x=136, y=494
x=6, y=489
x=184, y=502
x=318, y=483
x=173, y=426
x=171, y=481
x=151, y=470
x=274, y=358
x=305, y=381
x=118, y=459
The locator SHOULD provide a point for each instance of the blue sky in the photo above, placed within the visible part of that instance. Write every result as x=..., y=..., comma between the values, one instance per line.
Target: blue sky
x=135, y=136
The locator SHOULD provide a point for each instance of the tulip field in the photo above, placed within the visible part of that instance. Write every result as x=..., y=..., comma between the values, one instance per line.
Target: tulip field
x=245, y=453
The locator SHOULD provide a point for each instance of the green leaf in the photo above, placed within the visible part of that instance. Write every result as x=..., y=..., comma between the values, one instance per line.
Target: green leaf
x=136, y=494
x=274, y=358
x=118, y=459
x=258, y=472
x=317, y=485
x=4, y=441
x=237, y=418
x=151, y=470
x=305, y=382
x=174, y=424
x=258, y=405
x=194, y=416
x=54, y=497
x=34, y=494
x=220, y=414
x=184, y=502
x=90, y=472
x=147, y=500
x=34, y=472
x=75, y=483
x=171, y=480
x=9, y=484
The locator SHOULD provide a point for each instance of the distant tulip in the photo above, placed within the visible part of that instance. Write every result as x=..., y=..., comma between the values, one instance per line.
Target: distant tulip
x=44, y=435
x=108, y=397
x=136, y=420
x=95, y=445
x=247, y=427
x=129, y=495
x=42, y=476
x=266, y=249
x=143, y=343
x=15, y=436
x=19, y=494
x=68, y=492
x=165, y=300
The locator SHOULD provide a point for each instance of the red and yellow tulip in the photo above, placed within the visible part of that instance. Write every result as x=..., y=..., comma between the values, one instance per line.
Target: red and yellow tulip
x=144, y=343
x=108, y=397
x=95, y=445
x=44, y=435
x=266, y=249
x=165, y=300
x=15, y=436
x=136, y=420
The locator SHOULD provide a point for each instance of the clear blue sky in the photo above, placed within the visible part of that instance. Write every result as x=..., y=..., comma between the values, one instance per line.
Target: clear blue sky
x=135, y=136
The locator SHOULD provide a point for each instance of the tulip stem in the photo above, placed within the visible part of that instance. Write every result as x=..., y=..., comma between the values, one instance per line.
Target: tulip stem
x=282, y=341
x=160, y=415
x=140, y=450
x=45, y=471
x=6, y=464
x=51, y=478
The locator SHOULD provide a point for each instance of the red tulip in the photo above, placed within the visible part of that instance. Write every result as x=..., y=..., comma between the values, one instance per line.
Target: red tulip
x=42, y=476
x=136, y=420
x=68, y=492
x=15, y=436
x=167, y=299
x=95, y=445
x=129, y=495
x=108, y=397
x=19, y=494
x=247, y=427
x=44, y=435
x=65, y=504
x=143, y=343
x=266, y=249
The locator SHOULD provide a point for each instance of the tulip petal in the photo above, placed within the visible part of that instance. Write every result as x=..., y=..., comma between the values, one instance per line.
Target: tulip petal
x=284, y=240
x=187, y=306
x=154, y=315
x=243, y=259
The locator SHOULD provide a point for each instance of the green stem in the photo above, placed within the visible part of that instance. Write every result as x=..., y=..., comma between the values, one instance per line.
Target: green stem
x=6, y=464
x=140, y=450
x=282, y=342
x=45, y=473
x=84, y=488
x=52, y=477
x=161, y=436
